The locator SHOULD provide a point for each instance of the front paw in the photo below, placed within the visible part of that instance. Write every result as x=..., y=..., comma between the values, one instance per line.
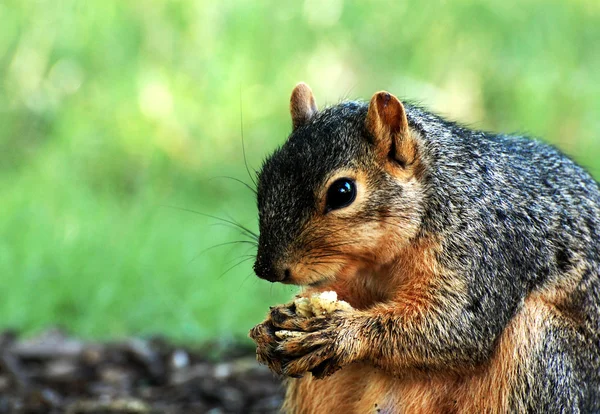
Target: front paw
x=320, y=345
x=267, y=342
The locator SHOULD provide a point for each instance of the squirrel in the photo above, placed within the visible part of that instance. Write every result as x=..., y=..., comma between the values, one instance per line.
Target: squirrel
x=471, y=262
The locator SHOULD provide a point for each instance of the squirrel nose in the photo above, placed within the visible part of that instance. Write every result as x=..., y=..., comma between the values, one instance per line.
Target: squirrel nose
x=266, y=270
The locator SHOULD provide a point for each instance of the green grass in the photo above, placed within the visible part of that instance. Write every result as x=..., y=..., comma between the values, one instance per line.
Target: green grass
x=112, y=113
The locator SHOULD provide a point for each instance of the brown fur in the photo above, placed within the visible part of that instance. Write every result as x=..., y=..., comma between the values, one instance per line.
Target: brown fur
x=559, y=295
x=329, y=246
x=302, y=105
x=360, y=388
x=386, y=120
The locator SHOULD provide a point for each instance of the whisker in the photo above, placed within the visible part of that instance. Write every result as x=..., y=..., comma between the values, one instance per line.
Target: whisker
x=244, y=281
x=328, y=248
x=237, y=180
x=248, y=232
x=234, y=266
x=253, y=240
x=242, y=134
x=324, y=256
x=319, y=262
x=316, y=240
x=319, y=237
x=221, y=245
x=244, y=256
x=318, y=273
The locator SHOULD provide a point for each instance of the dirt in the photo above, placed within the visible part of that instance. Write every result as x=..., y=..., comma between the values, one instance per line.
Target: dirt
x=55, y=373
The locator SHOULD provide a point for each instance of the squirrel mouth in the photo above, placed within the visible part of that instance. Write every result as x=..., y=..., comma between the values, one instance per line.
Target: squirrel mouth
x=318, y=283
x=309, y=277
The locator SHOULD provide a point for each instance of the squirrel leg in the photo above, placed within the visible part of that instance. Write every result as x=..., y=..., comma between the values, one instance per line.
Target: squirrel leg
x=417, y=331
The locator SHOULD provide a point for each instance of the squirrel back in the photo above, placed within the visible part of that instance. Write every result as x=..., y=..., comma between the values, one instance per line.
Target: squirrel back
x=513, y=206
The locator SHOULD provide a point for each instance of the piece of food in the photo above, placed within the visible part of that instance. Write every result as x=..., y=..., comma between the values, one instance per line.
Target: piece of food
x=285, y=334
x=303, y=307
x=320, y=304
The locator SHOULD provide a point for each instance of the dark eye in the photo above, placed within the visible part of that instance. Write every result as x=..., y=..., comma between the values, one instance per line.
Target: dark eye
x=340, y=194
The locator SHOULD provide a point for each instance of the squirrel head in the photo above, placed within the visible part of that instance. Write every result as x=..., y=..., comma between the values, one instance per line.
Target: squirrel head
x=343, y=193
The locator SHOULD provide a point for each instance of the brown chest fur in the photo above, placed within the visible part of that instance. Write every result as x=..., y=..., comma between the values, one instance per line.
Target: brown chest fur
x=361, y=388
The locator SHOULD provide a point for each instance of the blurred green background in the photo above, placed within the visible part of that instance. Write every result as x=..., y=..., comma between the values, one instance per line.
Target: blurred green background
x=113, y=112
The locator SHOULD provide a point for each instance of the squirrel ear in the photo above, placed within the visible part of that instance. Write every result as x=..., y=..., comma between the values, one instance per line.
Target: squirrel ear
x=387, y=123
x=302, y=105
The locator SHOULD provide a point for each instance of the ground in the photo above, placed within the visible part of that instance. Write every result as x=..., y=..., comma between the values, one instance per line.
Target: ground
x=54, y=373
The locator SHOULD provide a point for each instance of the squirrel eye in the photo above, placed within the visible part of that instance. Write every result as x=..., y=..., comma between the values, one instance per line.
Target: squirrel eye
x=340, y=194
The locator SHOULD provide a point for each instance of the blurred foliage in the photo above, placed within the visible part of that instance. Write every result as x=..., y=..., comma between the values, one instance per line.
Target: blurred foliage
x=113, y=112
